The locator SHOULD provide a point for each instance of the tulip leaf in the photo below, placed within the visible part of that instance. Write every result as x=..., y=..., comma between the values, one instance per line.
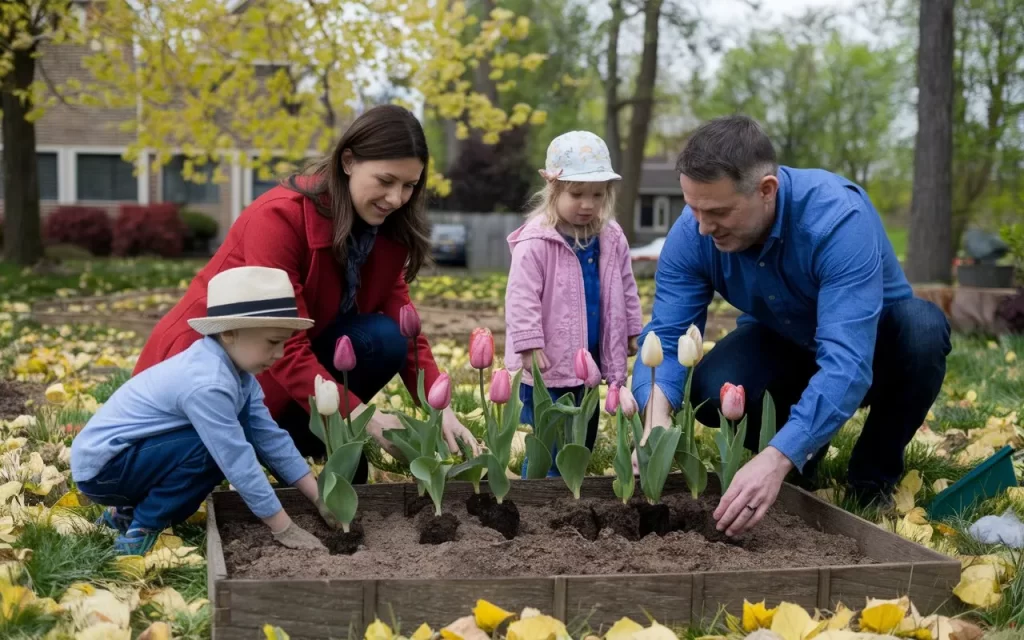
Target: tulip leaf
x=624, y=483
x=694, y=471
x=582, y=420
x=572, y=463
x=431, y=473
x=316, y=424
x=730, y=449
x=768, y=421
x=471, y=470
x=538, y=458
x=659, y=462
x=339, y=496
x=407, y=440
x=497, y=479
x=337, y=431
x=541, y=397
x=343, y=463
x=357, y=430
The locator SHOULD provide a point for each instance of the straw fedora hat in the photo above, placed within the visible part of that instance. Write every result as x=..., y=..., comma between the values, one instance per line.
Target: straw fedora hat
x=247, y=298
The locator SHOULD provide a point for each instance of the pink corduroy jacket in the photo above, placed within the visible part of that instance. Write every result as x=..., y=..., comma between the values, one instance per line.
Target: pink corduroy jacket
x=545, y=305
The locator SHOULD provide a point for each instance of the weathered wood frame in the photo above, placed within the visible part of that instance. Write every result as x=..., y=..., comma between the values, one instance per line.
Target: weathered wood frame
x=309, y=609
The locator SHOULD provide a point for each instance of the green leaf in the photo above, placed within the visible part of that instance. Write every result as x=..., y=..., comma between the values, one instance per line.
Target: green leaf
x=587, y=408
x=730, y=449
x=431, y=473
x=694, y=471
x=541, y=397
x=564, y=410
x=316, y=422
x=337, y=431
x=497, y=479
x=341, y=499
x=624, y=483
x=572, y=461
x=359, y=423
x=538, y=458
x=659, y=463
x=407, y=440
x=343, y=462
x=471, y=470
x=768, y=421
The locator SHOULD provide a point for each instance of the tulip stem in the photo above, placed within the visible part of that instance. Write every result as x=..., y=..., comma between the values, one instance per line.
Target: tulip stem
x=348, y=416
x=416, y=356
x=483, y=398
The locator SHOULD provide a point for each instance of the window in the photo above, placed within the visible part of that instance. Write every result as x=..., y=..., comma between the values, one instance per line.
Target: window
x=105, y=176
x=652, y=213
x=46, y=165
x=279, y=169
x=178, y=189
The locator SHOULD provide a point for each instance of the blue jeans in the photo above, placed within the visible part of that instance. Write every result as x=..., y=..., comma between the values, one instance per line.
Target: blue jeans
x=526, y=417
x=165, y=478
x=909, y=367
x=381, y=351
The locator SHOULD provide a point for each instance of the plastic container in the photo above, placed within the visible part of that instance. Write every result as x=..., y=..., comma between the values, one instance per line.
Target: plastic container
x=987, y=480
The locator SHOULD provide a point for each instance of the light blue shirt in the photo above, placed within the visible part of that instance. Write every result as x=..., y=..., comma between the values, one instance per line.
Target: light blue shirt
x=199, y=388
x=821, y=280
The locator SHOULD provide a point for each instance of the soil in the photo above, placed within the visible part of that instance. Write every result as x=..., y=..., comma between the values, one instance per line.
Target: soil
x=654, y=518
x=436, y=529
x=417, y=505
x=478, y=503
x=13, y=396
x=503, y=518
x=391, y=547
x=345, y=543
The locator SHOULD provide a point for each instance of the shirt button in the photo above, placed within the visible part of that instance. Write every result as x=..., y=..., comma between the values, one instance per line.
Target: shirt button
x=810, y=456
x=590, y=260
x=760, y=264
x=771, y=297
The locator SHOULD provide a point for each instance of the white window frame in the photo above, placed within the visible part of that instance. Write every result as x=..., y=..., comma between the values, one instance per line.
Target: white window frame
x=662, y=206
x=63, y=163
x=141, y=172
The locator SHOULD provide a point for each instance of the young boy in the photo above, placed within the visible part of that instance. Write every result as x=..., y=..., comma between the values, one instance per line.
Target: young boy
x=170, y=435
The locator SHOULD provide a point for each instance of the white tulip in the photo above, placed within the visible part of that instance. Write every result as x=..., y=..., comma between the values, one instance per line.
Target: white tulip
x=691, y=347
x=651, y=354
x=327, y=397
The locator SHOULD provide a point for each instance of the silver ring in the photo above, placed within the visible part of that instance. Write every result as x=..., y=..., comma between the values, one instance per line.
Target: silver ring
x=752, y=508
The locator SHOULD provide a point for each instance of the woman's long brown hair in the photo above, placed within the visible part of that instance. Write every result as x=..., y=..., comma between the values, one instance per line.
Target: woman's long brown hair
x=386, y=132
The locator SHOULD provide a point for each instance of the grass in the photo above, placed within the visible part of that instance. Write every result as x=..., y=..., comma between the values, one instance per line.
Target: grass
x=94, y=277
x=58, y=561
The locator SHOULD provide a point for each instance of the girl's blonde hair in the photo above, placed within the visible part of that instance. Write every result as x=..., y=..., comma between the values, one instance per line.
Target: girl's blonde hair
x=543, y=205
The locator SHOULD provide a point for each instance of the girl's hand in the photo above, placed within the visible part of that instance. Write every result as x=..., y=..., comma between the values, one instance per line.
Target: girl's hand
x=530, y=354
x=453, y=430
x=634, y=348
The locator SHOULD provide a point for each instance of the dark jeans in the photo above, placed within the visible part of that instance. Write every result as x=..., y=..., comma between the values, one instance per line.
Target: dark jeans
x=380, y=349
x=909, y=367
x=165, y=478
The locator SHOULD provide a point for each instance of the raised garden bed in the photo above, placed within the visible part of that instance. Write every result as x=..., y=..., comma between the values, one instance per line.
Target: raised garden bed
x=806, y=552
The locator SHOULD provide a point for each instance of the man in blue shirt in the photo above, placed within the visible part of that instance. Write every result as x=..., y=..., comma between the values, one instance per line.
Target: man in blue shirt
x=829, y=322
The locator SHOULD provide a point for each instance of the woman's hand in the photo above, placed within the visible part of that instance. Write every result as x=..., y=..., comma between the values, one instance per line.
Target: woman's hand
x=453, y=430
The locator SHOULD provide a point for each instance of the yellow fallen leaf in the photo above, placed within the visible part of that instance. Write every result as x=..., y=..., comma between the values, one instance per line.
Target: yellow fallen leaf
x=907, y=490
x=883, y=618
x=133, y=567
x=274, y=633
x=69, y=499
x=168, y=601
x=172, y=558
x=540, y=627
x=940, y=485
x=1011, y=357
x=792, y=622
x=1016, y=495
x=464, y=628
x=90, y=606
x=14, y=598
x=841, y=619
x=756, y=616
x=56, y=394
x=623, y=629
x=972, y=396
x=104, y=631
x=377, y=630
x=489, y=616
x=423, y=632
x=655, y=632
x=981, y=592
x=168, y=541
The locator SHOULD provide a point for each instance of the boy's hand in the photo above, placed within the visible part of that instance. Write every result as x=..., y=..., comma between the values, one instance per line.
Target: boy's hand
x=295, y=537
x=634, y=347
x=326, y=514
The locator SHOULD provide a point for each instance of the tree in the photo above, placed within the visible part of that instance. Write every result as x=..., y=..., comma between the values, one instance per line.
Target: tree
x=930, y=244
x=283, y=78
x=490, y=177
x=26, y=26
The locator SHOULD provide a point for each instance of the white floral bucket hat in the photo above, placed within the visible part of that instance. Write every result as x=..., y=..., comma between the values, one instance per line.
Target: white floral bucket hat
x=579, y=156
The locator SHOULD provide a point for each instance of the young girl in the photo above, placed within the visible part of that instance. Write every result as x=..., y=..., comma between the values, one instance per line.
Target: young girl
x=571, y=284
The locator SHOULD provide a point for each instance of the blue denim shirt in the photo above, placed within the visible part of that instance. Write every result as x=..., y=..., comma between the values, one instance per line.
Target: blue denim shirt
x=590, y=264
x=199, y=388
x=820, y=280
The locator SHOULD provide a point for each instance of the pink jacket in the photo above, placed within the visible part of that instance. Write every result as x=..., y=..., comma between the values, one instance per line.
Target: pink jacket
x=545, y=306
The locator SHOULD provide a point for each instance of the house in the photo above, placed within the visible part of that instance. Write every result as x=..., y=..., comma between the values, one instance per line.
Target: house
x=659, y=200
x=80, y=154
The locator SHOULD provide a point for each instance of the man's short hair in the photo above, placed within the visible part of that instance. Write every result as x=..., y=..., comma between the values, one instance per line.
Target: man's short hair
x=733, y=147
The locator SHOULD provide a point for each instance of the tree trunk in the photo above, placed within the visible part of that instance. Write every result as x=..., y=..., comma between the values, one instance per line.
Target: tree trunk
x=930, y=244
x=640, y=119
x=23, y=243
x=611, y=87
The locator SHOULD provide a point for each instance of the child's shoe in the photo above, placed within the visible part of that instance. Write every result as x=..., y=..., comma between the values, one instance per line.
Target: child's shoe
x=136, y=541
x=118, y=519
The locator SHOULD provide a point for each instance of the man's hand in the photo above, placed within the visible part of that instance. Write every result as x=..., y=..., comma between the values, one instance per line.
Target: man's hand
x=379, y=423
x=634, y=347
x=752, y=492
x=453, y=430
x=659, y=413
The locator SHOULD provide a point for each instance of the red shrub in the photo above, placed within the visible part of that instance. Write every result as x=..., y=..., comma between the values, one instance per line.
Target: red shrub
x=149, y=229
x=86, y=227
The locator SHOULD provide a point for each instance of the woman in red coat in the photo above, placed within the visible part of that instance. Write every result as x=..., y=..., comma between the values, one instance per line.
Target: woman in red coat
x=351, y=232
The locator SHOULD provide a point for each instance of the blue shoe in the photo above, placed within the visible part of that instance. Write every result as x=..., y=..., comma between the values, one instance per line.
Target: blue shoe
x=136, y=541
x=118, y=519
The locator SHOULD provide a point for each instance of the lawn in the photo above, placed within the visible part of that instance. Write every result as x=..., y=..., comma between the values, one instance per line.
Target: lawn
x=59, y=578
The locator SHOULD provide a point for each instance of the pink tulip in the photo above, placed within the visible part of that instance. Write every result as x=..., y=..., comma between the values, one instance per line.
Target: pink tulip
x=586, y=369
x=481, y=348
x=344, y=355
x=501, y=386
x=611, y=403
x=733, y=398
x=628, y=403
x=409, y=321
x=440, y=395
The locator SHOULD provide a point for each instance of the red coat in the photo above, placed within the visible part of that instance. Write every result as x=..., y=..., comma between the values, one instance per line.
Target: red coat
x=282, y=229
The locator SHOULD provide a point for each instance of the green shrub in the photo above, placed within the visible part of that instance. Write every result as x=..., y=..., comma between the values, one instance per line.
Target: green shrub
x=199, y=225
